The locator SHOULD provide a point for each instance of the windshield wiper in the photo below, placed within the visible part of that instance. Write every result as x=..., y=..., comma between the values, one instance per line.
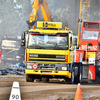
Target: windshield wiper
x=36, y=46
x=57, y=47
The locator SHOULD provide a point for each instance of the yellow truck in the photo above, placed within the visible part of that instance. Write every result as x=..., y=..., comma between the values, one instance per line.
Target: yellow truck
x=50, y=54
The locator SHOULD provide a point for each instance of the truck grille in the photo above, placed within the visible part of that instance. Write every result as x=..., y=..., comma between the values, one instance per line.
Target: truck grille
x=47, y=58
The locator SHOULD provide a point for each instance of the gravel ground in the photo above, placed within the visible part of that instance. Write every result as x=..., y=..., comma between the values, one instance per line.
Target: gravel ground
x=54, y=90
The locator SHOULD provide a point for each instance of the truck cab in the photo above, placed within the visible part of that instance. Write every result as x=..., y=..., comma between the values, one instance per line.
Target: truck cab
x=49, y=52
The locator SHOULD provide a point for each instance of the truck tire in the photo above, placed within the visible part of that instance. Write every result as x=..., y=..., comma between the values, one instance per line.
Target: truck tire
x=45, y=79
x=29, y=78
x=80, y=75
x=76, y=76
x=38, y=80
x=73, y=76
x=67, y=81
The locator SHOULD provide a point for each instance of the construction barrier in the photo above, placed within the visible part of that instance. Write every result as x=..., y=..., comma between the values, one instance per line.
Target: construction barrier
x=15, y=92
x=78, y=93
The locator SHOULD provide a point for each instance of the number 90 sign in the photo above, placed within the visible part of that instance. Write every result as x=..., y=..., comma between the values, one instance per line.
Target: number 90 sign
x=14, y=97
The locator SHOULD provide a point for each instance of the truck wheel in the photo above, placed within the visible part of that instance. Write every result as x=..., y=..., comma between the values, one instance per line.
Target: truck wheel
x=73, y=76
x=77, y=73
x=67, y=81
x=29, y=78
x=78, y=78
x=38, y=80
x=80, y=73
x=45, y=79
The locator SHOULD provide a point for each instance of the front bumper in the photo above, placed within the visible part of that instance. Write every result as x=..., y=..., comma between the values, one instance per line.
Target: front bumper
x=48, y=72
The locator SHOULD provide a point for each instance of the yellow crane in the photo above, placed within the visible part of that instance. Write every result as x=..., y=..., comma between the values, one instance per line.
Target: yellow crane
x=45, y=11
x=83, y=15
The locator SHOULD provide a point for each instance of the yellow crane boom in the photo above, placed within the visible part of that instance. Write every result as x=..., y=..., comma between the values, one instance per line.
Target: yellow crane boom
x=45, y=11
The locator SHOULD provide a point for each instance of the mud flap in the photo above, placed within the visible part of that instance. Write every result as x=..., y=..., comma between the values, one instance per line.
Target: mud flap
x=91, y=72
x=78, y=72
x=97, y=73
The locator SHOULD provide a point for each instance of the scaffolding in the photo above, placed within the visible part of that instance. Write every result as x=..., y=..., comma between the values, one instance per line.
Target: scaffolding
x=84, y=14
x=86, y=10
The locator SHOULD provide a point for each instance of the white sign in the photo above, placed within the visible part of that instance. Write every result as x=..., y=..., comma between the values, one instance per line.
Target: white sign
x=89, y=47
x=92, y=61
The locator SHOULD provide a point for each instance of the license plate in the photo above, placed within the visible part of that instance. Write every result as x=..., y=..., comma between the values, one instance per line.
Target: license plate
x=9, y=58
x=46, y=71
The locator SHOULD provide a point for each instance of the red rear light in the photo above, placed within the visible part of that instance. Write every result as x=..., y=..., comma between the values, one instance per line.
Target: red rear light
x=66, y=58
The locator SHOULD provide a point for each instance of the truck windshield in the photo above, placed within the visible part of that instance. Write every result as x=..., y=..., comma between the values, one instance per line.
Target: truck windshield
x=41, y=41
x=92, y=35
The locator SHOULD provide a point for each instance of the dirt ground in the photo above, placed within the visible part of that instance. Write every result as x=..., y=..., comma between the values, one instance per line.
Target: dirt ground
x=54, y=90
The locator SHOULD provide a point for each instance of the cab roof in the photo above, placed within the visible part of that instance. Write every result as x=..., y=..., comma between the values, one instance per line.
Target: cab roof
x=50, y=31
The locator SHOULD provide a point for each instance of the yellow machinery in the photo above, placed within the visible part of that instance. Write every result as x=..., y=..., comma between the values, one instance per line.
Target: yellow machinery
x=45, y=11
x=49, y=53
x=84, y=15
x=49, y=49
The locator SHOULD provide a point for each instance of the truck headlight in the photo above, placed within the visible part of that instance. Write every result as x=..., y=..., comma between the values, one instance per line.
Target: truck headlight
x=18, y=56
x=64, y=68
x=29, y=67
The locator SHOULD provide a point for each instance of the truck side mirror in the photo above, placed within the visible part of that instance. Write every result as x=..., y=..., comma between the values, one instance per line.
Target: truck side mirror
x=23, y=39
x=23, y=36
x=75, y=41
x=23, y=43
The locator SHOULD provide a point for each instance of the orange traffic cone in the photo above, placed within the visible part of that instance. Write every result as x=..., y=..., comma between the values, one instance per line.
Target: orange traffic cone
x=78, y=93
